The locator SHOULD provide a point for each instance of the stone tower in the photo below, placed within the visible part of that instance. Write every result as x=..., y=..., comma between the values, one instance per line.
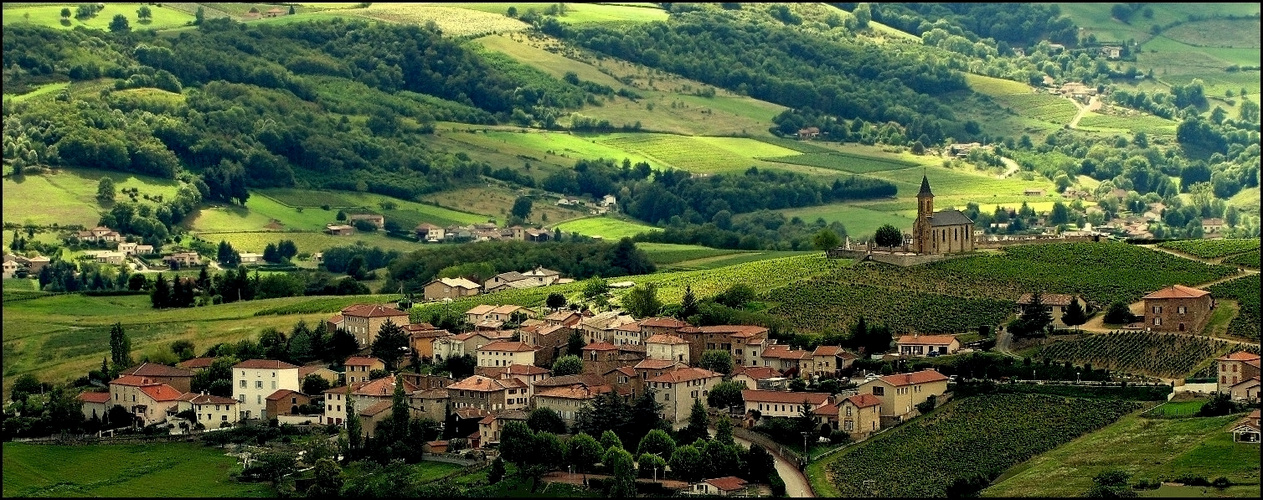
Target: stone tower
x=925, y=209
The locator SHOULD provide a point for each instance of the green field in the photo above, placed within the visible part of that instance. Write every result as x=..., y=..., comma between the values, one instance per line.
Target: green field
x=410, y=213
x=670, y=253
x=59, y=338
x=40, y=90
x=1212, y=249
x=607, y=228
x=718, y=261
x=1152, y=449
x=577, y=12
x=565, y=148
x=1149, y=124
x=50, y=16
x=860, y=222
x=967, y=439
x=142, y=470
x=855, y=164
x=68, y=196
x=699, y=154
x=957, y=186
x=496, y=200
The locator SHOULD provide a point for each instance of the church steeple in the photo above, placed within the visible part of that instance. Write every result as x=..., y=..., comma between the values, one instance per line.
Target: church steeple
x=925, y=187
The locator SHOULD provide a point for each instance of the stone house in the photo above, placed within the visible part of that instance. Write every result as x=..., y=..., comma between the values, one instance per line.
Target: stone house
x=431, y=404
x=900, y=393
x=1239, y=375
x=667, y=347
x=148, y=400
x=358, y=368
x=1178, y=308
x=677, y=389
x=450, y=288
x=180, y=379
x=567, y=400
x=731, y=338
x=95, y=404
x=286, y=402
x=364, y=321
x=859, y=416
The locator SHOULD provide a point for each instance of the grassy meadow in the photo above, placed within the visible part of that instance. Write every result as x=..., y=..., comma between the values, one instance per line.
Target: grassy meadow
x=496, y=200
x=577, y=13
x=139, y=470
x=1147, y=448
x=68, y=196
x=607, y=228
x=49, y=15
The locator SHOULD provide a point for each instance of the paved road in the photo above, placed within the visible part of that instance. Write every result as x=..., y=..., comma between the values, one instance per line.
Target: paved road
x=795, y=482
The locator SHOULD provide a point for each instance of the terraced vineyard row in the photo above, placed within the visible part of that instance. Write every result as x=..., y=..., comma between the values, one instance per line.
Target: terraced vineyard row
x=1245, y=290
x=1248, y=259
x=972, y=439
x=1212, y=249
x=829, y=304
x=1147, y=353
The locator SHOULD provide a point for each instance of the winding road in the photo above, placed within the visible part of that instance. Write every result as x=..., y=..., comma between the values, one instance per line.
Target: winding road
x=795, y=482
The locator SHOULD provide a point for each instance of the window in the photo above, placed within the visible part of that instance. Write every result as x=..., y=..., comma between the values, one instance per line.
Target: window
x=848, y=413
x=274, y=384
x=879, y=391
x=243, y=384
x=258, y=399
x=223, y=418
x=1157, y=321
x=1181, y=310
x=258, y=384
x=241, y=398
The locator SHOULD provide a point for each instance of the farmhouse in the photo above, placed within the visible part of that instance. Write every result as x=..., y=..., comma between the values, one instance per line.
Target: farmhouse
x=1111, y=51
x=339, y=229
x=676, y=390
x=358, y=368
x=1247, y=430
x=256, y=379
x=1239, y=375
x=99, y=234
x=1212, y=226
x=180, y=379
x=946, y=231
x=723, y=486
x=1055, y=304
x=95, y=405
x=927, y=345
x=429, y=233
x=450, y=288
x=10, y=266
x=1178, y=308
x=899, y=394
x=209, y=410
x=859, y=415
x=364, y=321
x=147, y=400
x=374, y=219
x=183, y=259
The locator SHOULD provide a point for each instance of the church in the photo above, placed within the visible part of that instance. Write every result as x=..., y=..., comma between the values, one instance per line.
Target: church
x=947, y=231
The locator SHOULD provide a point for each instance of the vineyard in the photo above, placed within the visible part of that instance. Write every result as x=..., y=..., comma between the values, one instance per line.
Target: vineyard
x=1245, y=290
x=699, y=154
x=827, y=304
x=847, y=163
x=970, y=440
x=1247, y=259
x=1146, y=353
x=1212, y=249
x=451, y=21
x=1044, y=107
x=1101, y=272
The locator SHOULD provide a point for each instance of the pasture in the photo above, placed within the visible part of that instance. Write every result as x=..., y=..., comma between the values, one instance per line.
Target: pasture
x=563, y=148
x=576, y=13
x=667, y=103
x=670, y=253
x=68, y=196
x=49, y=15
x=123, y=470
x=309, y=241
x=451, y=21
x=860, y=222
x=1146, y=448
x=855, y=164
x=699, y=154
x=1124, y=125
x=59, y=338
x=411, y=213
x=45, y=89
x=607, y=228
x=497, y=200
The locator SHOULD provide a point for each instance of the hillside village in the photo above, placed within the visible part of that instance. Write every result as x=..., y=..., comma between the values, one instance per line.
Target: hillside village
x=754, y=250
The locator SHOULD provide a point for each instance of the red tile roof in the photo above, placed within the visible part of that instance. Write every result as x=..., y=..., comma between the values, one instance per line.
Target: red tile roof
x=574, y=391
x=665, y=339
x=830, y=409
x=133, y=381
x=480, y=309
x=727, y=483
x=156, y=370
x=95, y=397
x=1177, y=292
x=264, y=364
x=336, y=318
x=661, y=322
x=654, y=364
x=632, y=327
x=507, y=346
x=520, y=369
x=379, y=407
x=371, y=311
x=363, y=361
x=161, y=392
x=625, y=370
x=762, y=396
x=600, y=346
x=578, y=378
x=507, y=309
x=478, y=383
x=927, y=339
x=863, y=400
x=827, y=350
x=282, y=394
x=383, y=386
x=196, y=363
x=684, y=375
x=736, y=331
x=921, y=377
x=201, y=399
x=759, y=372
x=1239, y=356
